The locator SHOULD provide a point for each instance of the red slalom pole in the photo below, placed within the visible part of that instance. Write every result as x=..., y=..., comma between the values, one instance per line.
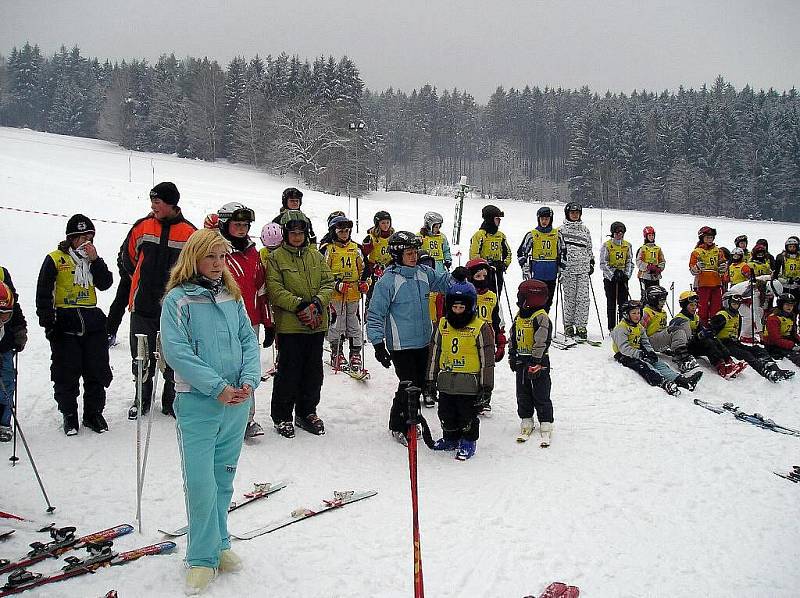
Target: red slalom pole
x=413, y=393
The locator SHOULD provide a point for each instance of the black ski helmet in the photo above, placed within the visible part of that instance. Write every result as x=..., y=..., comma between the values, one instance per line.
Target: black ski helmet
x=729, y=297
x=655, y=295
x=532, y=294
x=740, y=239
x=792, y=241
x=426, y=259
x=491, y=212
x=291, y=193
x=544, y=212
x=626, y=308
x=573, y=206
x=399, y=242
x=381, y=215
x=785, y=298
x=618, y=227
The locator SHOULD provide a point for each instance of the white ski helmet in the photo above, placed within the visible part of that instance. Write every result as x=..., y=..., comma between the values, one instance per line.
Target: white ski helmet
x=272, y=235
x=233, y=210
x=774, y=288
x=431, y=219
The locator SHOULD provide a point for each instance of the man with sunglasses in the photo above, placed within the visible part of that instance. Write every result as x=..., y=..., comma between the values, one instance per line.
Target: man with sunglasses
x=147, y=256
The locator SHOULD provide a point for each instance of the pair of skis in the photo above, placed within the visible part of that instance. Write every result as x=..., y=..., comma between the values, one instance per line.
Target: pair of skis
x=559, y=589
x=752, y=418
x=792, y=476
x=100, y=555
x=260, y=490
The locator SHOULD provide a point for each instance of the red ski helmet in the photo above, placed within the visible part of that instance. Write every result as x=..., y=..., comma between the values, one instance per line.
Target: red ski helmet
x=532, y=294
x=648, y=230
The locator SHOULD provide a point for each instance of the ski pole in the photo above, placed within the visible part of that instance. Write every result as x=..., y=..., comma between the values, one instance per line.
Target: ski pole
x=141, y=358
x=672, y=300
x=555, y=313
x=752, y=306
x=13, y=458
x=597, y=309
x=153, y=395
x=50, y=507
x=412, y=395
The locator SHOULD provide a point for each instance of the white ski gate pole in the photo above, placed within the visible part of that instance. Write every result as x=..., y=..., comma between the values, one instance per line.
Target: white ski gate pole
x=141, y=366
x=464, y=188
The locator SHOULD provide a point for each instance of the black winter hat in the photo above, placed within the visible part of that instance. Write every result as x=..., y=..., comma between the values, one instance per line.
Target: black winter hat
x=490, y=212
x=291, y=193
x=166, y=192
x=79, y=225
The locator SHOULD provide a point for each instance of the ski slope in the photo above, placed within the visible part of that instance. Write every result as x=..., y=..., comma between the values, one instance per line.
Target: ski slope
x=640, y=494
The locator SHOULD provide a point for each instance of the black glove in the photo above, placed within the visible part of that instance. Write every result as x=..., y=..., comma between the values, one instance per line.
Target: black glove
x=704, y=333
x=460, y=274
x=20, y=339
x=269, y=337
x=382, y=355
x=512, y=363
x=649, y=356
x=591, y=267
x=50, y=333
x=448, y=263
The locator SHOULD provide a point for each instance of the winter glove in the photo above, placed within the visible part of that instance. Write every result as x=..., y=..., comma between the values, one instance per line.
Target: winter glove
x=460, y=274
x=382, y=355
x=649, y=356
x=534, y=371
x=377, y=271
x=448, y=263
x=363, y=287
x=310, y=313
x=653, y=269
x=700, y=265
x=340, y=286
x=704, y=333
x=269, y=337
x=500, y=346
x=20, y=339
x=50, y=333
x=796, y=349
x=591, y=267
x=512, y=363
x=482, y=398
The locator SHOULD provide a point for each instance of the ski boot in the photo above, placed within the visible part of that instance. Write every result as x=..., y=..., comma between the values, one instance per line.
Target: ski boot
x=253, y=429
x=355, y=361
x=95, y=422
x=133, y=411
x=685, y=362
x=70, y=424
x=285, y=429
x=671, y=388
x=445, y=445
x=689, y=382
x=400, y=437
x=429, y=397
x=466, y=449
x=112, y=340
x=580, y=333
x=229, y=561
x=197, y=580
x=569, y=330
x=6, y=434
x=310, y=423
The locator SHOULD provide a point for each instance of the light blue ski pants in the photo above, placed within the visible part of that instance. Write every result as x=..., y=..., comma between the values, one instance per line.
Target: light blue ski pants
x=662, y=368
x=210, y=437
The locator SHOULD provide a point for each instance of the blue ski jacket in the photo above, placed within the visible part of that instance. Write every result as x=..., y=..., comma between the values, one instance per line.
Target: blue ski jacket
x=208, y=340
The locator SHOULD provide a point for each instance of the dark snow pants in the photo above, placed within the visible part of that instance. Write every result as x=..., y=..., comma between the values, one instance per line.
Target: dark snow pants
x=459, y=417
x=616, y=295
x=533, y=394
x=652, y=377
x=409, y=364
x=298, y=381
x=75, y=357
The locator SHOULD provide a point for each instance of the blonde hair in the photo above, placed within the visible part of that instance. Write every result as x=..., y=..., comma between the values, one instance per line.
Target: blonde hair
x=200, y=243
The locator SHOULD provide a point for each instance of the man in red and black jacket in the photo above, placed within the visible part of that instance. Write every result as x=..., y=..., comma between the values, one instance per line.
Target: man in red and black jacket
x=147, y=255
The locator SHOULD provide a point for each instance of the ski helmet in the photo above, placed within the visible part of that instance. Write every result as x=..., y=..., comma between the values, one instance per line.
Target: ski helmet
x=792, y=241
x=774, y=288
x=687, y=297
x=211, y=221
x=431, y=219
x=544, y=212
x=785, y=298
x=491, y=212
x=6, y=299
x=478, y=263
x=382, y=215
x=740, y=239
x=731, y=297
x=235, y=211
x=399, y=242
x=618, y=227
x=763, y=242
x=271, y=235
x=294, y=220
x=338, y=222
x=706, y=231
x=648, y=230
x=532, y=294
x=737, y=253
x=654, y=295
x=626, y=308
x=426, y=259
x=759, y=251
x=462, y=292
x=291, y=193
x=333, y=215
x=573, y=206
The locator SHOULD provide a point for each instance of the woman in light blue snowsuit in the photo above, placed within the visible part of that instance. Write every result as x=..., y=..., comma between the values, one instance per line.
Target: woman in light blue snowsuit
x=208, y=340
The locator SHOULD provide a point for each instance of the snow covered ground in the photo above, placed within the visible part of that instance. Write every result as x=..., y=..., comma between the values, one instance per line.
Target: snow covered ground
x=641, y=494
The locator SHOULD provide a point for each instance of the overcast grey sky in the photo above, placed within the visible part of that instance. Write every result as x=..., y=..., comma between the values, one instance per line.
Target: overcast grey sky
x=474, y=45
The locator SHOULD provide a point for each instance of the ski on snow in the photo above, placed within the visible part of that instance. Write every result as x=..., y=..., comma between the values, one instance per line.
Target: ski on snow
x=63, y=540
x=752, y=418
x=792, y=476
x=259, y=491
x=339, y=500
x=559, y=589
x=100, y=555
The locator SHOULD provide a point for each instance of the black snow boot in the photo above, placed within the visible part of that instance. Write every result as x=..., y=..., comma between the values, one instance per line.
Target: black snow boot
x=70, y=424
x=310, y=423
x=689, y=381
x=95, y=421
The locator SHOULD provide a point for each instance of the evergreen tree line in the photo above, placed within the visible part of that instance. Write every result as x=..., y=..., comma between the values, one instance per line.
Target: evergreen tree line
x=712, y=151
